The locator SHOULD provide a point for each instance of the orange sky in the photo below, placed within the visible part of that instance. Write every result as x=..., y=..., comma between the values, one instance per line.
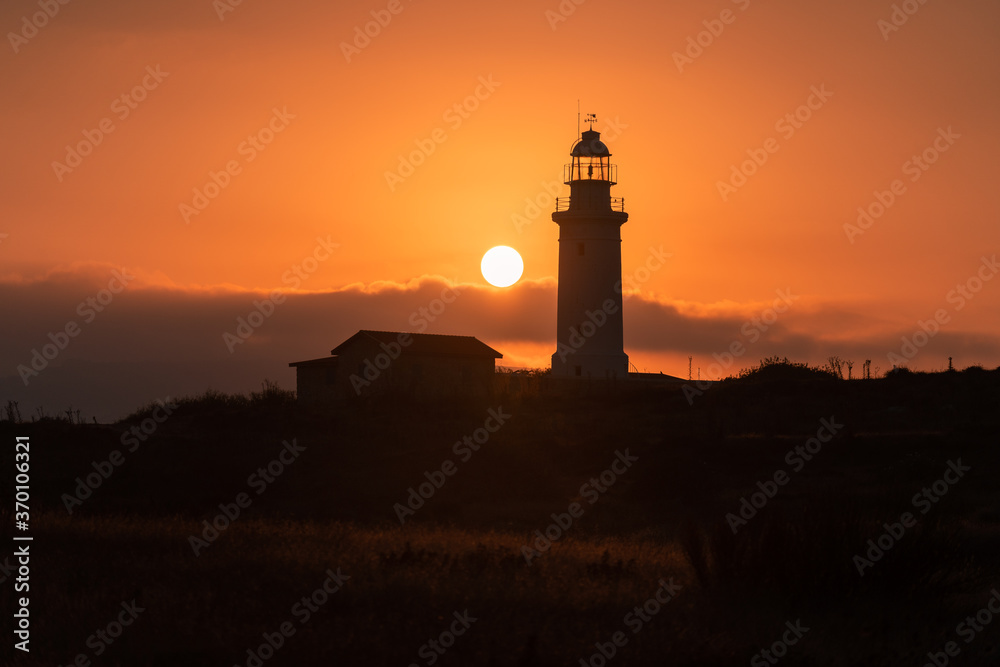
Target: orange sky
x=676, y=128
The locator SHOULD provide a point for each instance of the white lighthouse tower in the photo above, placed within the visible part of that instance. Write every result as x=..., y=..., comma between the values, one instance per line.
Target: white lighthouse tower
x=589, y=318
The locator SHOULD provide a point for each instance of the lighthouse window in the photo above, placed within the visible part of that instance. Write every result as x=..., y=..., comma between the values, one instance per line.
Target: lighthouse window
x=579, y=249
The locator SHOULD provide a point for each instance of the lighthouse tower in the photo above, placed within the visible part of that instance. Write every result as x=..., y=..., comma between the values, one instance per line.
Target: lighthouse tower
x=589, y=318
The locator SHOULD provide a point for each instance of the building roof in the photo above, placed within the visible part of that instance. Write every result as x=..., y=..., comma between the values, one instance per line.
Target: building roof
x=322, y=361
x=425, y=344
x=590, y=145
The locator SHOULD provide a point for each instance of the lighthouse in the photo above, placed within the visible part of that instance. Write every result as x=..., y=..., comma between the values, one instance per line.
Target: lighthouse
x=589, y=317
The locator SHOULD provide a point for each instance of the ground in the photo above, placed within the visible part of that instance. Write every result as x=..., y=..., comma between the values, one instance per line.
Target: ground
x=869, y=533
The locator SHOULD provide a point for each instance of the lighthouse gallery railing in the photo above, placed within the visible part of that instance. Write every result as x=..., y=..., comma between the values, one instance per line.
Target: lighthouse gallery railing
x=617, y=203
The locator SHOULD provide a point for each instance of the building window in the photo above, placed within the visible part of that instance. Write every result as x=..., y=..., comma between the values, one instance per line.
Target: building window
x=580, y=250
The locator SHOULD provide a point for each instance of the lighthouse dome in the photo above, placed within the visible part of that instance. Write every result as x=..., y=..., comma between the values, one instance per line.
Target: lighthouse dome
x=590, y=145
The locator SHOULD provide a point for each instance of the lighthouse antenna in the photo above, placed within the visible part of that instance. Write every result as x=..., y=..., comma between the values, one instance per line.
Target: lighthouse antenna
x=578, y=118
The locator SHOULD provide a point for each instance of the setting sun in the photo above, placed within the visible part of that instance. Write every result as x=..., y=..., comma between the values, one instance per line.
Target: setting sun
x=502, y=266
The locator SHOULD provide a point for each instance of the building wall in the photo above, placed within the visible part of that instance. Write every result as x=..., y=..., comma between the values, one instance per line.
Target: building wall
x=433, y=376
x=316, y=383
x=367, y=369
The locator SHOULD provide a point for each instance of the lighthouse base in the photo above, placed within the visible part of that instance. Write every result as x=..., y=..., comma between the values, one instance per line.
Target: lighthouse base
x=582, y=365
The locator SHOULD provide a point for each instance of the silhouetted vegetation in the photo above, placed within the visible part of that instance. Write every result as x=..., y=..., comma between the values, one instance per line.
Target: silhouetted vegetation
x=270, y=396
x=462, y=548
x=775, y=369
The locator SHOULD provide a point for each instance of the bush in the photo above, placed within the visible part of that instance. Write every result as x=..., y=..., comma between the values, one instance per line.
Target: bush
x=271, y=394
x=213, y=401
x=781, y=369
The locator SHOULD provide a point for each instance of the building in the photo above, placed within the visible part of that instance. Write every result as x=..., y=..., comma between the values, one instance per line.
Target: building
x=589, y=336
x=388, y=362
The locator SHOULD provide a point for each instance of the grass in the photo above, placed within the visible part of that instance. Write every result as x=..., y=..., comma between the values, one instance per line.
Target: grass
x=404, y=586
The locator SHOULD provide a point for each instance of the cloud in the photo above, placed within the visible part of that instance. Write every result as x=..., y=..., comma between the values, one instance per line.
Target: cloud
x=106, y=352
